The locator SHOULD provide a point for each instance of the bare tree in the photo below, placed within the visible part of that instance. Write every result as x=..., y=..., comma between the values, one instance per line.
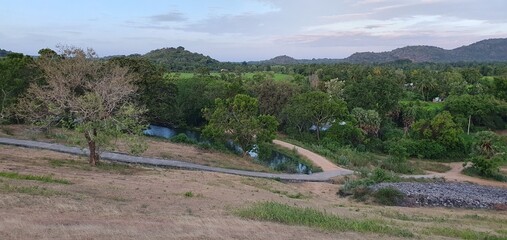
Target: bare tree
x=95, y=97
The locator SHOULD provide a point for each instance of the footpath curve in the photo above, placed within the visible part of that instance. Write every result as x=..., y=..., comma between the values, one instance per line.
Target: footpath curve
x=324, y=176
x=317, y=159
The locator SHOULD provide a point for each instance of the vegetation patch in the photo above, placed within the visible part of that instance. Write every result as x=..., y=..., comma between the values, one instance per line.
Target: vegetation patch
x=462, y=233
x=32, y=190
x=119, y=168
x=281, y=213
x=388, y=196
x=40, y=178
x=430, y=166
x=474, y=172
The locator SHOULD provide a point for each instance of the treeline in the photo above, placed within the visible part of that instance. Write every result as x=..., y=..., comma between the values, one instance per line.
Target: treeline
x=436, y=111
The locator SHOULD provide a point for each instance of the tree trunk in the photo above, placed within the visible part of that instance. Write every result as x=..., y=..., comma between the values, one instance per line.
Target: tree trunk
x=469, y=122
x=92, y=147
x=318, y=133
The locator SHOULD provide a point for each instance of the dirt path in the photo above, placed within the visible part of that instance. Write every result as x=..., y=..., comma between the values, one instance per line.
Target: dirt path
x=317, y=159
x=455, y=175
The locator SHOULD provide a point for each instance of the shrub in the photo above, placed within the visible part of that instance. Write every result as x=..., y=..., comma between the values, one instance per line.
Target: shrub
x=264, y=151
x=486, y=166
x=397, y=165
x=388, y=196
x=488, y=153
x=423, y=148
x=359, y=187
x=375, y=145
x=182, y=138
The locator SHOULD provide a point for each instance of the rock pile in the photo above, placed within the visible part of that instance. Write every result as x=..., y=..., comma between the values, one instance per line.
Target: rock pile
x=458, y=195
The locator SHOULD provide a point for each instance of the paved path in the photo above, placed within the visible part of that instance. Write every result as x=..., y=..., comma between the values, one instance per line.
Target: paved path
x=124, y=158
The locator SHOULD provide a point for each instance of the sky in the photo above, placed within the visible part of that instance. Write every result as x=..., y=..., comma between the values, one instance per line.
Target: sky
x=244, y=30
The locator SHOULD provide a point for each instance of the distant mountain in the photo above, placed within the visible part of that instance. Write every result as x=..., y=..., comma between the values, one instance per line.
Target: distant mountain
x=281, y=60
x=4, y=52
x=491, y=50
x=179, y=59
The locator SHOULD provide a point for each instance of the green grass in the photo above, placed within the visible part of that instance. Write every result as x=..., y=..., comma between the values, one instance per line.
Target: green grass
x=470, y=171
x=462, y=233
x=430, y=166
x=412, y=217
x=281, y=213
x=32, y=190
x=246, y=76
x=188, y=194
x=47, y=179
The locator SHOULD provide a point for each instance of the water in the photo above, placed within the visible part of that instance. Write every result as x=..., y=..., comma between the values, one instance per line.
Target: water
x=165, y=132
x=278, y=161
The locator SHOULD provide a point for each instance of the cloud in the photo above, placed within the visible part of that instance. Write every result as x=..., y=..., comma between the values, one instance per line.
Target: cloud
x=169, y=17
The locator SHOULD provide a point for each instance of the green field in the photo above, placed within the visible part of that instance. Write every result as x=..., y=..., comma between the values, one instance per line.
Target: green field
x=248, y=76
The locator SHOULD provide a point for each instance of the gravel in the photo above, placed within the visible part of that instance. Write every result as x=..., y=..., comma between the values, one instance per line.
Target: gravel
x=456, y=195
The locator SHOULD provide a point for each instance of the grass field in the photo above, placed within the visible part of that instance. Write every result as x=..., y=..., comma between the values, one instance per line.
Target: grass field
x=133, y=202
x=247, y=76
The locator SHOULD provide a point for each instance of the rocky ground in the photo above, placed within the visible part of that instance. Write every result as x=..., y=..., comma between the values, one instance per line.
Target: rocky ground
x=457, y=195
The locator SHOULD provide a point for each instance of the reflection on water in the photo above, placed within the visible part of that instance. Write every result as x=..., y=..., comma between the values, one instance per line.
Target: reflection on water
x=278, y=161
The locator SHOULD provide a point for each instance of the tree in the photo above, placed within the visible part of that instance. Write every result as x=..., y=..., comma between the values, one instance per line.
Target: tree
x=153, y=91
x=441, y=129
x=16, y=72
x=377, y=89
x=313, y=108
x=488, y=152
x=238, y=119
x=94, y=98
x=368, y=120
x=480, y=109
x=274, y=95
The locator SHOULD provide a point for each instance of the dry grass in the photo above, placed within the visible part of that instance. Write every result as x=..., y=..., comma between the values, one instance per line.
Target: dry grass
x=149, y=203
x=158, y=148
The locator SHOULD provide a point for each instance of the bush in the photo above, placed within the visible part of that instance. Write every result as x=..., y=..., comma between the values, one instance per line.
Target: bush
x=397, y=165
x=422, y=148
x=375, y=145
x=488, y=153
x=345, y=134
x=388, y=196
x=182, y=138
x=487, y=167
x=265, y=152
x=359, y=187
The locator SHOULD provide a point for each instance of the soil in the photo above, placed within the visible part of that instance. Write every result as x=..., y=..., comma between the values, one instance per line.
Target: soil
x=150, y=203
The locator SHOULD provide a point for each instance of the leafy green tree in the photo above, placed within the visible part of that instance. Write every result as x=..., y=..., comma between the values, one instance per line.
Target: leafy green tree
x=500, y=88
x=425, y=82
x=16, y=72
x=488, y=153
x=95, y=98
x=238, y=119
x=482, y=110
x=157, y=94
x=368, y=120
x=273, y=96
x=441, y=129
x=377, y=89
x=313, y=108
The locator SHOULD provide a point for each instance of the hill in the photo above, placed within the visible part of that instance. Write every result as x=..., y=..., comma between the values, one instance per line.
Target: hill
x=179, y=59
x=490, y=50
x=4, y=52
